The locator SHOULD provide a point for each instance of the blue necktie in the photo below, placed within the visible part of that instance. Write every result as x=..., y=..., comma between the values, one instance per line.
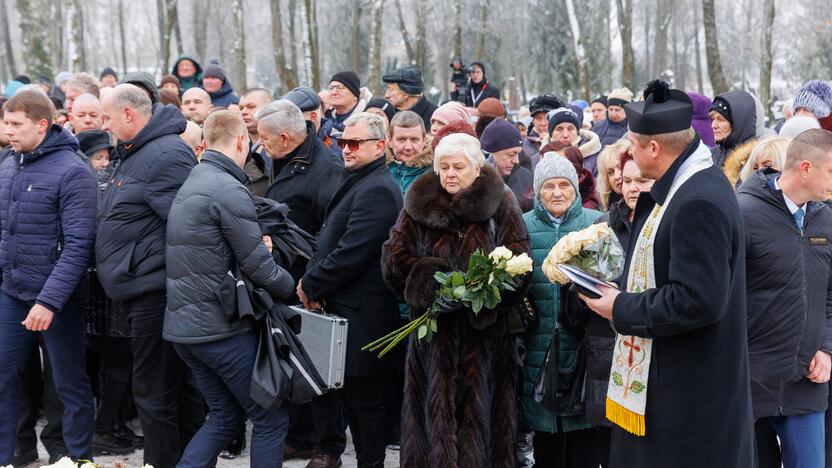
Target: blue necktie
x=798, y=218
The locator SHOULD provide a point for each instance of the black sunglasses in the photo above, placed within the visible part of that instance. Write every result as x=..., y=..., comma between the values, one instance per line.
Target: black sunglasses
x=354, y=144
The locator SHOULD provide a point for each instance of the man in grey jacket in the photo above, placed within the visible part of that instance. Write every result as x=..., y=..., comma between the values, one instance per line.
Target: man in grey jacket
x=212, y=228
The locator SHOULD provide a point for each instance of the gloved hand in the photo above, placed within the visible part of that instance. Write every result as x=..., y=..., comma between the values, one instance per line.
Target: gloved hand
x=449, y=306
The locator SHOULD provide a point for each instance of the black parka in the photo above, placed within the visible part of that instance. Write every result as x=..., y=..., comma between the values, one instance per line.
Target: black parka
x=212, y=228
x=743, y=124
x=789, y=298
x=148, y=171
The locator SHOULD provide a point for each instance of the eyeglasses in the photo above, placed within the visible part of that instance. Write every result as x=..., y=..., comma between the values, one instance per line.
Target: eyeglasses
x=354, y=144
x=338, y=88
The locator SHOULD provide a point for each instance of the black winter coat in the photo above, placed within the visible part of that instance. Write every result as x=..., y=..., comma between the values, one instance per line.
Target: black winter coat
x=425, y=109
x=698, y=397
x=212, y=228
x=345, y=273
x=789, y=299
x=305, y=180
x=480, y=91
x=743, y=124
x=130, y=244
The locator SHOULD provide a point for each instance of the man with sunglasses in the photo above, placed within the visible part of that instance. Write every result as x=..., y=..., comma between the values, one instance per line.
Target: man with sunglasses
x=305, y=172
x=344, y=276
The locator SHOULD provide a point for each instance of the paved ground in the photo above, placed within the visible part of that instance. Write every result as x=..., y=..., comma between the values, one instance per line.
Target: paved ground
x=135, y=460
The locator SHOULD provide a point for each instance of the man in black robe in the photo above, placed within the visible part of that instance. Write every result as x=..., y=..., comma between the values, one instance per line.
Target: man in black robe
x=698, y=402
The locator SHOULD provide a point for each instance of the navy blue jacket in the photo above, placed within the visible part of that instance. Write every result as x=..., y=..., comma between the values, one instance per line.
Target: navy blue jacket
x=47, y=212
x=148, y=171
x=225, y=96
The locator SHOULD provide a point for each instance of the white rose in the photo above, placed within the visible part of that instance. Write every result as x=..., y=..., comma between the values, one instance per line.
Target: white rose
x=64, y=462
x=500, y=253
x=519, y=265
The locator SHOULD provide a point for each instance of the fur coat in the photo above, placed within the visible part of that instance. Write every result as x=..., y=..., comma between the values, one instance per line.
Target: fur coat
x=460, y=390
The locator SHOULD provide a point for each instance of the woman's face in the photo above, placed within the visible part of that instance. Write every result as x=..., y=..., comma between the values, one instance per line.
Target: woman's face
x=632, y=183
x=456, y=173
x=565, y=133
x=557, y=195
x=766, y=161
x=720, y=126
x=614, y=178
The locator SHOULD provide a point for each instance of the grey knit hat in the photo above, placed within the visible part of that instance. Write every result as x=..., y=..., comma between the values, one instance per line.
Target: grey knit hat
x=814, y=96
x=553, y=165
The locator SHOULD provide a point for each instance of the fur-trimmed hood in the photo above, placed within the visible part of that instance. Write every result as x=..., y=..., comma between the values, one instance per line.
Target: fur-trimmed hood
x=588, y=142
x=429, y=204
x=736, y=159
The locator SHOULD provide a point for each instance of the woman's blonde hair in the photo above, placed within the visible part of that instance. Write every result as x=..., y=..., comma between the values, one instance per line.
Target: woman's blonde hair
x=609, y=157
x=775, y=147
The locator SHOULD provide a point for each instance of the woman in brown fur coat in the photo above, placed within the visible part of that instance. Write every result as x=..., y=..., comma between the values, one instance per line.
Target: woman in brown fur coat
x=459, y=399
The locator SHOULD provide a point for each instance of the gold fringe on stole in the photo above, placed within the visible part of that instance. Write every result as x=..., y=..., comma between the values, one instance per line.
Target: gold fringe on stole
x=626, y=419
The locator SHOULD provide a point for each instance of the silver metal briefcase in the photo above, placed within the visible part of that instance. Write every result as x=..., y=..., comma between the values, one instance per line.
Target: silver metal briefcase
x=324, y=336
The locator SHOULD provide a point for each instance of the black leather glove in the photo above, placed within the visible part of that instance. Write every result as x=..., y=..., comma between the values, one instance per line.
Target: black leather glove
x=448, y=306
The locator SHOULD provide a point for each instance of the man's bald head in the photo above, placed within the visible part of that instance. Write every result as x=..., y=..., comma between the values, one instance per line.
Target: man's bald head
x=126, y=111
x=193, y=137
x=86, y=114
x=196, y=105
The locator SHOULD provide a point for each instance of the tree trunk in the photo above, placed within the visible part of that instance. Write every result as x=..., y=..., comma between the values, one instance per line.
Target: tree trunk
x=457, y=28
x=580, y=55
x=201, y=30
x=288, y=74
x=34, y=33
x=56, y=33
x=311, y=29
x=715, y=72
x=485, y=5
x=293, y=38
x=648, y=56
x=180, y=49
x=660, y=50
x=5, y=36
x=408, y=45
x=767, y=58
x=374, y=75
x=79, y=61
x=421, y=34
x=355, y=37
x=167, y=18
x=238, y=45
x=122, y=37
x=697, y=49
x=625, y=27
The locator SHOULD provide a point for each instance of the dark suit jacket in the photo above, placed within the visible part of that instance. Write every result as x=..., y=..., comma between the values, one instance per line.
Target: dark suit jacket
x=345, y=273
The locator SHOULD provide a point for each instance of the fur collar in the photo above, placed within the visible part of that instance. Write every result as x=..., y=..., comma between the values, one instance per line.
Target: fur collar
x=429, y=204
x=591, y=145
x=425, y=159
x=736, y=159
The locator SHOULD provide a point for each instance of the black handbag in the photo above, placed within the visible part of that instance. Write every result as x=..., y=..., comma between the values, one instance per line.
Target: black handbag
x=559, y=388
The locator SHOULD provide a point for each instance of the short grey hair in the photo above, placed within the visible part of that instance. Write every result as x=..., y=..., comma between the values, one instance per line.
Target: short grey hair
x=127, y=95
x=372, y=122
x=86, y=83
x=456, y=143
x=282, y=116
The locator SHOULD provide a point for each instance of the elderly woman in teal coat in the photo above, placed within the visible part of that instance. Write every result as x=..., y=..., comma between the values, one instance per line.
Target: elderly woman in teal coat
x=559, y=441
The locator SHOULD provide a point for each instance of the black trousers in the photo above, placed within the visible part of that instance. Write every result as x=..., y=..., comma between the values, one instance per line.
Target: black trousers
x=39, y=390
x=114, y=387
x=327, y=412
x=170, y=407
x=586, y=448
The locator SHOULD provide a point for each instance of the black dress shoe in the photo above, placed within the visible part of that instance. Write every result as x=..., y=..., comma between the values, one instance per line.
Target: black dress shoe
x=24, y=458
x=234, y=448
x=108, y=444
x=124, y=432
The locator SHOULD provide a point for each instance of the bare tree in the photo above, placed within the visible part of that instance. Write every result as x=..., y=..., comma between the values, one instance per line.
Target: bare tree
x=715, y=72
x=355, y=38
x=660, y=51
x=200, y=16
x=56, y=34
x=408, y=45
x=167, y=17
x=288, y=74
x=122, y=37
x=625, y=27
x=767, y=56
x=239, y=43
x=485, y=6
x=580, y=54
x=79, y=61
x=34, y=32
x=311, y=30
x=697, y=48
x=457, y=28
x=374, y=75
x=421, y=34
x=5, y=36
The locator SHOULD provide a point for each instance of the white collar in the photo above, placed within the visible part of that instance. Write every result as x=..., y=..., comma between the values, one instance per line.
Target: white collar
x=792, y=206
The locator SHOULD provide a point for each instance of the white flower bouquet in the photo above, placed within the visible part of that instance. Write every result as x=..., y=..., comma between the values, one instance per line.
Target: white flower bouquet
x=595, y=250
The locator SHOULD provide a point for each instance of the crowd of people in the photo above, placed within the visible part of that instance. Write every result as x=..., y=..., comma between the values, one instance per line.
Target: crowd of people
x=127, y=205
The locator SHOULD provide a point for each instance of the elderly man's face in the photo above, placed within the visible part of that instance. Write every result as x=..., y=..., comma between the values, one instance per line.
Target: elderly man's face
x=505, y=160
x=358, y=148
x=340, y=96
x=185, y=69
x=195, y=105
x=395, y=95
x=211, y=84
x=557, y=195
x=85, y=116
